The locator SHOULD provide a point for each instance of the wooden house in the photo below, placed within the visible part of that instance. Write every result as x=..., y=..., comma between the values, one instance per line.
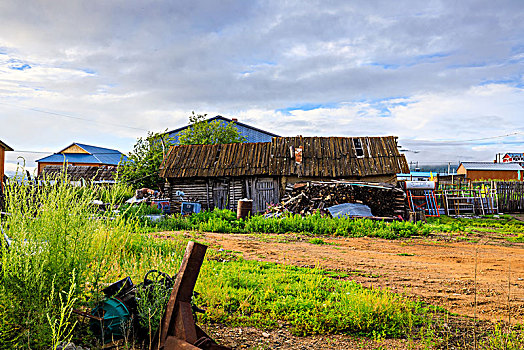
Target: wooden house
x=490, y=171
x=79, y=154
x=217, y=176
x=94, y=174
x=251, y=133
x=3, y=149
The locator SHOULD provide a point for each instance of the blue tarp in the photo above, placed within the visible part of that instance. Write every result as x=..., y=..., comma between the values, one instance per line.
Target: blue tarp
x=349, y=209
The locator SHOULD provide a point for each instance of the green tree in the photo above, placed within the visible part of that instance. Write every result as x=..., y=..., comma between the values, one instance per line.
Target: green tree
x=141, y=169
x=202, y=132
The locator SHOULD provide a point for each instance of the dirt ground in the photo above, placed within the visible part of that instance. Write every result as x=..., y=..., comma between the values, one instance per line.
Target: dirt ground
x=437, y=269
x=441, y=270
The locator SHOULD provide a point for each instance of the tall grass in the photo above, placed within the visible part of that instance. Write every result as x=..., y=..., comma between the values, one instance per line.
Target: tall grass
x=61, y=244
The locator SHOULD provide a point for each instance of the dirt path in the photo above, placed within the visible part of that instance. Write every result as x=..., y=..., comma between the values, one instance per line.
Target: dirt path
x=442, y=273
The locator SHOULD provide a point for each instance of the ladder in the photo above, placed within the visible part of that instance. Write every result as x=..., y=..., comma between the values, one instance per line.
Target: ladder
x=429, y=202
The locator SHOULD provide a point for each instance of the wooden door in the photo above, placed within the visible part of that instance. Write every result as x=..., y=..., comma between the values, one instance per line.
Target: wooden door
x=221, y=194
x=265, y=192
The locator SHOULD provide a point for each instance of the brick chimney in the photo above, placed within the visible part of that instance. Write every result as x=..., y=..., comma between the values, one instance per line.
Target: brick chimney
x=234, y=119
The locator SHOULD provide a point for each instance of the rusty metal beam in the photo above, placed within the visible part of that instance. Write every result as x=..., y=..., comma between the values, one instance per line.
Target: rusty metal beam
x=173, y=343
x=177, y=311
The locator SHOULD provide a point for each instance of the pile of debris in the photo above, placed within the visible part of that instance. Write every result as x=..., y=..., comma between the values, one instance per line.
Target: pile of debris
x=150, y=197
x=384, y=200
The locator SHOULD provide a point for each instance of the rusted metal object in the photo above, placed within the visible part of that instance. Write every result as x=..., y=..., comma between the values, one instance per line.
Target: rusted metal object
x=177, y=328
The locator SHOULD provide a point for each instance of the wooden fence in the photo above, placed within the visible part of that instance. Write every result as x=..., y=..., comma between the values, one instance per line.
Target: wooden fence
x=510, y=196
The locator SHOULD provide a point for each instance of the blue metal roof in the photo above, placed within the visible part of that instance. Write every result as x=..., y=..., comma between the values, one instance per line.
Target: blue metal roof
x=488, y=166
x=97, y=155
x=251, y=133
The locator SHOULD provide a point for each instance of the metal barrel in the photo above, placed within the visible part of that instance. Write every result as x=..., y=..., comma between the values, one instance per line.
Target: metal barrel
x=244, y=208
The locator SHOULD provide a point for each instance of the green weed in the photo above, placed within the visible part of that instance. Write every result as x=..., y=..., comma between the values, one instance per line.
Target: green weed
x=224, y=221
x=318, y=241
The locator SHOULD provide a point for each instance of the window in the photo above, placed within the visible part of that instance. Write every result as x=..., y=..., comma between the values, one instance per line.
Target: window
x=357, y=144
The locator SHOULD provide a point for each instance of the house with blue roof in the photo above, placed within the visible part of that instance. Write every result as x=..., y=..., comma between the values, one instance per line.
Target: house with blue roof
x=251, y=133
x=79, y=154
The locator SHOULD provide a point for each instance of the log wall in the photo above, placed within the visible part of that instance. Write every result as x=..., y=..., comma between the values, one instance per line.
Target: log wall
x=224, y=192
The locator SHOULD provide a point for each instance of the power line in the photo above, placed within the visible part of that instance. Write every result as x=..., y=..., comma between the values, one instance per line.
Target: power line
x=468, y=140
x=34, y=109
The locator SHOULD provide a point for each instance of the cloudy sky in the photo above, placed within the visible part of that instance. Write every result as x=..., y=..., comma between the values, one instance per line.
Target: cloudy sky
x=446, y=77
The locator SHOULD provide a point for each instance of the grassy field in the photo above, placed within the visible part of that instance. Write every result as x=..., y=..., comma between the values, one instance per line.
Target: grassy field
x=64, y=252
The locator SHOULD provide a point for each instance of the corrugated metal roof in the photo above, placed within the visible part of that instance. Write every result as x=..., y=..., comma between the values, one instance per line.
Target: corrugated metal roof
x=97, y=155
x=4, y=146
x=491, y=166
x=96, y=149
x=251, y=133
x=330, y=157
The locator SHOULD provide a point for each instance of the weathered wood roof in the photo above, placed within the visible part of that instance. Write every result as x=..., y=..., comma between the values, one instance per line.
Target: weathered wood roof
x=331, y=157
x=77, y=172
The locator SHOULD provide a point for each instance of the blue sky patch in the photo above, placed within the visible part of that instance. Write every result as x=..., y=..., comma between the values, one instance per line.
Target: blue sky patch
x=20, y=66
x=306, y=107
x=384, y=65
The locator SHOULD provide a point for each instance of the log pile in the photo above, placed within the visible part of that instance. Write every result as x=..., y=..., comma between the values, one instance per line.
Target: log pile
x=385, y=200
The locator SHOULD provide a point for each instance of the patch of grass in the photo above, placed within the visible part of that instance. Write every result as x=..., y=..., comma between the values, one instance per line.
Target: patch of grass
x=310, y=301
x=502, y=338
x=318, y=241
x=406, y=254
x=225, y=221
x=505, y=223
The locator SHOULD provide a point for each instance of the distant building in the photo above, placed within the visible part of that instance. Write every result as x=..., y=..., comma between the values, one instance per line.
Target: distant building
x=490, y=171
x=251, y=133
x=3, y=149
x=513, y=158
x=79, y=154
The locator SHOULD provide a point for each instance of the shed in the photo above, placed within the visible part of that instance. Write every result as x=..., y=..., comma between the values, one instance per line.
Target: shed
x=79, y=154
x=251, y=133
x=94, y=174
x=3, y=149
x=490, y=171
x=217, y=176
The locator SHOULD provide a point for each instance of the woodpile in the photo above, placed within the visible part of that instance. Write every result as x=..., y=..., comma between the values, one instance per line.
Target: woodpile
x=385, y=200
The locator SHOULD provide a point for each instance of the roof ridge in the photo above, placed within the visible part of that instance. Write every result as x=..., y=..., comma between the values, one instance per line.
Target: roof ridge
x=229, y=121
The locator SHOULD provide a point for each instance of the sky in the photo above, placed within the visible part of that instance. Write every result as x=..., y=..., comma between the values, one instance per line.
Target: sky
x=446, y=77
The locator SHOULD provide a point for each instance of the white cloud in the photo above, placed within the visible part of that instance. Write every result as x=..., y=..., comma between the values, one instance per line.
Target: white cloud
x=419, y=70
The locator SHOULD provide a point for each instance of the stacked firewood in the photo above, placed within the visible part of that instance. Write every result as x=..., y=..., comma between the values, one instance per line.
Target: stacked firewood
x=384, y=200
